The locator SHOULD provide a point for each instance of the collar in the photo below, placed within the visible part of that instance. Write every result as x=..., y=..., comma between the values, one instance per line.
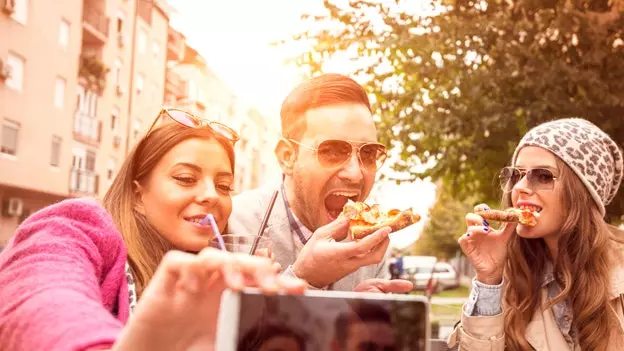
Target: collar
x=304, y=230
x=297, y=228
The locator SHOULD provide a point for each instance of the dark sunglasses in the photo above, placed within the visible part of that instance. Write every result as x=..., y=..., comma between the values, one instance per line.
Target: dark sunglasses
x=336, y=153
x=537, y=178
x=189, y=120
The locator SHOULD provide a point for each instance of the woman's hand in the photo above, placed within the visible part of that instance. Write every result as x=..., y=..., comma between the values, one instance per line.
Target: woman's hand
x=270, y=255
x=178, y=309
x=485, y=247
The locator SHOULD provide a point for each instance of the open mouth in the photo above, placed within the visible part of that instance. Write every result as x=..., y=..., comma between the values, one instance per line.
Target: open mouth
x=196, y=220
x=335, y=201
x=531, y=208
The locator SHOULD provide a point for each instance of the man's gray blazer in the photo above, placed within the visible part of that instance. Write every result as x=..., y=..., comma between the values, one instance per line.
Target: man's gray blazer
x=249, y=208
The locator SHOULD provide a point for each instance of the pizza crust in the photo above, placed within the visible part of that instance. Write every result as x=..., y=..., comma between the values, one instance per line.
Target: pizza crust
x=512, y=215
x=365, y=219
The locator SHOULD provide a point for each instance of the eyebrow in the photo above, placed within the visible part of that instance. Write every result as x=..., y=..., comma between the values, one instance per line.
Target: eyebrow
x=539, y=166
x=199, y=169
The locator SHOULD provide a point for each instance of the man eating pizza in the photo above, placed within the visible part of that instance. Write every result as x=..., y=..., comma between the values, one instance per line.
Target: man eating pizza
x=329, y=155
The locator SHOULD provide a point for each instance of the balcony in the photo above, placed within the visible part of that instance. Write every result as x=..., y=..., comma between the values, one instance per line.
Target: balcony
x=175, y=85
x=95, y=23
x=87, y=129
x=92, y=72
x=83, y=182
x=175, y=45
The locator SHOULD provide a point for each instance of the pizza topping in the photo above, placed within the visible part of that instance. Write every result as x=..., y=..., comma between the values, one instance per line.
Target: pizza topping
x=523, y=215
x=335, y=202
x=531, y=208
x=367, y=219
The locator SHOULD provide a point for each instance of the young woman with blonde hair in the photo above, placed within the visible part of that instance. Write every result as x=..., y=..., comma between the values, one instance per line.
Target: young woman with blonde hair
x=557, y=285
x=72, y=273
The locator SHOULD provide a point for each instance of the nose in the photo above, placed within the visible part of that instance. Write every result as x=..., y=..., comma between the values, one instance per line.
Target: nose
x=352, y=170
x=207, y=193
x=523, y=185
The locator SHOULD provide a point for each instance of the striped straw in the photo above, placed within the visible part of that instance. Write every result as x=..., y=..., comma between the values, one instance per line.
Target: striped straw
x=210, y=219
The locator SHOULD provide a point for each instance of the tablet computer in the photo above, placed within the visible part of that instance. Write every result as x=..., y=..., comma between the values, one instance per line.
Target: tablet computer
x=322, y=320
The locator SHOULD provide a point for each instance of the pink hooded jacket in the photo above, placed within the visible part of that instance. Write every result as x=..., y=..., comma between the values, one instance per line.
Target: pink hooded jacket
x=62, y=280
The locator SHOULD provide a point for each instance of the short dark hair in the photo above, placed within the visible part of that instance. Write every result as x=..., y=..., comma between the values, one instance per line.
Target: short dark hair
x=360, y=312
x=324, y=90
x=259, y=334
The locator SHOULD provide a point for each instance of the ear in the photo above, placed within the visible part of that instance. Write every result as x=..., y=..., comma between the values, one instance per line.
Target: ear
x=138, y=197
x=286, y=155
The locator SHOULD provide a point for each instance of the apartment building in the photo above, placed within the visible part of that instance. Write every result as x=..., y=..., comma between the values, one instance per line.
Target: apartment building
x=79, y=82
x=194, y=87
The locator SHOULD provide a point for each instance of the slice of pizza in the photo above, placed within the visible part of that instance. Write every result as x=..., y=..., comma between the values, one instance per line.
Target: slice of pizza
x=523, y=216
x=365, y=219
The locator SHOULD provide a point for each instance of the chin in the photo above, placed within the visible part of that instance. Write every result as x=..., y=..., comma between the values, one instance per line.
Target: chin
x=527, y=232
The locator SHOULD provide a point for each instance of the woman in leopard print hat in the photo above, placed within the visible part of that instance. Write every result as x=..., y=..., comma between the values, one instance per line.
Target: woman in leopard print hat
x=556, y=285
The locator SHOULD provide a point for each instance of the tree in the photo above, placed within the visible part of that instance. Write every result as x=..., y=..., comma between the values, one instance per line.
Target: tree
x=457, y=87
x=445, y=226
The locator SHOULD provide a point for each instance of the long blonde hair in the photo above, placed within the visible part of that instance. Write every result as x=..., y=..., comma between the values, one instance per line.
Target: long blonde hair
x=145, y=245
x=583, y=271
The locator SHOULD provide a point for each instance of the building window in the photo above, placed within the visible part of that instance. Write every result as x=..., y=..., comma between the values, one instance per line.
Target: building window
x=90, y=161
x=142, y=41
x=118, y=72
x=115, y=120
x=64, y=35
x=20, y=11
x=155, y=49
x=9, y=137
x=120, y=21
x=112, y=165
x=59, y=92
x=136, y=130
x=55, y=158
x=16, y=65
x=140, y=82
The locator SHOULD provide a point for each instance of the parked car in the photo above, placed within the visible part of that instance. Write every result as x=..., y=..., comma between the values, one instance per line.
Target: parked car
x=418, y=270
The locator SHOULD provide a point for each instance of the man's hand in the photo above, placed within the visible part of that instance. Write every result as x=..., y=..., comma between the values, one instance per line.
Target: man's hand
x=397, y=286
x=324, y=259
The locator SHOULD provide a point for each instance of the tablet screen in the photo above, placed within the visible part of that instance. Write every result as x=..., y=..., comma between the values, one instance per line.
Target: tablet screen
x=305, y=323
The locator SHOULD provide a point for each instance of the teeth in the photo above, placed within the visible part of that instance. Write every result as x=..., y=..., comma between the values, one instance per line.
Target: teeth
x=194, y=220
x=344, y=193
x=531, y=208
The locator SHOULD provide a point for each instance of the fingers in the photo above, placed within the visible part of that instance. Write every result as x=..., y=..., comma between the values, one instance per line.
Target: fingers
x=367, y=244
x=473, y=219
x=238, y=270
x=182, y=270
x=481, y=207
x=507, y=230
x=398, y=286
x=336, y=230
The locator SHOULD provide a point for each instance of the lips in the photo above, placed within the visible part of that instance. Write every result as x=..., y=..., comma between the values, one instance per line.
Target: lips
x=335, y=201
x=525, y=205
x=195, y=219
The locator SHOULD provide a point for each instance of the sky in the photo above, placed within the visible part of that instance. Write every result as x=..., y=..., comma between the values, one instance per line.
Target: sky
x=235, y=37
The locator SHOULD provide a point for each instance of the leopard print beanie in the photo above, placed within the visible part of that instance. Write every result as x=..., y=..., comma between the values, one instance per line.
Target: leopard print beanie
x=586, y=149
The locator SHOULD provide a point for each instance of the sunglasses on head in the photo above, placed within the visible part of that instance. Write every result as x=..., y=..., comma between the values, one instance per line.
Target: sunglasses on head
x=537, y=178
x=189, y=120
x=336, y=153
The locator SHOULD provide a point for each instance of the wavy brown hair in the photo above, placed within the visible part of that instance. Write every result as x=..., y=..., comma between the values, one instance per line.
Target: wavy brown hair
x=582, y=270
x=145, y=245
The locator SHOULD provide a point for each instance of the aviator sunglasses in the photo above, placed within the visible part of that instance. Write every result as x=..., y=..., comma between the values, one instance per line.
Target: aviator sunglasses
x=537, y=178
x=189, y=120
x=336, y=153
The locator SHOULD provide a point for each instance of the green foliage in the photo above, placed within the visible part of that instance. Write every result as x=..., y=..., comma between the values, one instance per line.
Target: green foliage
x=455, y=89
x=444, y=227
x=94, y=71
